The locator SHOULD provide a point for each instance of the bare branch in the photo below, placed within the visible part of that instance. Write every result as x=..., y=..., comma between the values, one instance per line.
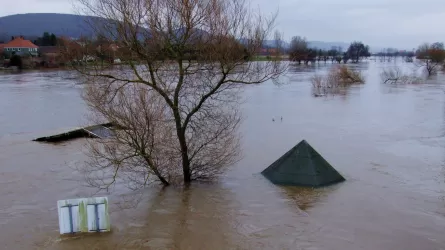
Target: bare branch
x=397, y=76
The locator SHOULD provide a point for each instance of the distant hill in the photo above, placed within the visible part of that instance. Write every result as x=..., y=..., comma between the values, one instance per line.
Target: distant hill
x=32, y=25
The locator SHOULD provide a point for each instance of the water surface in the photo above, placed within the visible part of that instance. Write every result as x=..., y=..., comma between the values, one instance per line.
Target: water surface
x=388, y=141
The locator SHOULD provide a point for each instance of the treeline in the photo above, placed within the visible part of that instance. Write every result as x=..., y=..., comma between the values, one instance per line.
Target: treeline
x=431, y=57
x=389, y=54
x=395, y=53
x=299, y=51
x=46, y=39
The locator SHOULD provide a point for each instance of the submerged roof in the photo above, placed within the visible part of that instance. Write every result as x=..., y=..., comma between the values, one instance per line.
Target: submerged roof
x=302, y=166
x=96, y=131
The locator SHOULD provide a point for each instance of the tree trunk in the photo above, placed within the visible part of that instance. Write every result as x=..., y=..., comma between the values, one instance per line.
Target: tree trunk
x=180, y=131
x=186, y=168
x=185, y=158
x=162, y=179
x=154, y=169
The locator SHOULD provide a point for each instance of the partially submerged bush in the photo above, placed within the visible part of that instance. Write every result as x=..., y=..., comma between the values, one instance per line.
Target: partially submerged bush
x=338, y=78
x=322, y=86
x=345, y=76
x=397, y=76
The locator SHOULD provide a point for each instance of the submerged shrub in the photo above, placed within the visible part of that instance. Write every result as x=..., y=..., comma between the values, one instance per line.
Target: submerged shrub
x=345, y=76
x=397, y=76
x=338, y=78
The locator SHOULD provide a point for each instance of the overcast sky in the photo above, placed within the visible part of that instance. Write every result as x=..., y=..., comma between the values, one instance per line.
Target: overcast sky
x=379, y=23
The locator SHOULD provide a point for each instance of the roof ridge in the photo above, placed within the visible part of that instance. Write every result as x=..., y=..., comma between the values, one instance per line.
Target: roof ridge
x=313, y=167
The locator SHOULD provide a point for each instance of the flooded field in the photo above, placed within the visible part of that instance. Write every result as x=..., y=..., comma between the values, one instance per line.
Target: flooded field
x=388, y=141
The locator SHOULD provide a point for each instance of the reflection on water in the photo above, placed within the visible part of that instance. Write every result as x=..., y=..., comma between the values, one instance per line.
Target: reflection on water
x=388, y=141
x=306, y=198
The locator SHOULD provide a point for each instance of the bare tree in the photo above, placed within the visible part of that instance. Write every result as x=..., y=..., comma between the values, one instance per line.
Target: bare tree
x=356, y=51
x=140, y=148
x=431, y=57
x=392, y=76
x=190, y=57
x=397, y=76
x=299, y=49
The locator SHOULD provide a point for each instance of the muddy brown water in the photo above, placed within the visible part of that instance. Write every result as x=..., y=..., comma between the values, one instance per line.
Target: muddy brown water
x=388, y=142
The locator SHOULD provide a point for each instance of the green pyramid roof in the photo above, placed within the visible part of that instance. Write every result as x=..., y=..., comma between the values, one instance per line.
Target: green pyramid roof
x=302, y=166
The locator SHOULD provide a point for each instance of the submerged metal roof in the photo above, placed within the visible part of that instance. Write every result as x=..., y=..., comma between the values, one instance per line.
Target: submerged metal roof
x=302, y=166
x=97, y=131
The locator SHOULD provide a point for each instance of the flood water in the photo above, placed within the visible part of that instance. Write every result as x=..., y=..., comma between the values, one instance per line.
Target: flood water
x=388, y=142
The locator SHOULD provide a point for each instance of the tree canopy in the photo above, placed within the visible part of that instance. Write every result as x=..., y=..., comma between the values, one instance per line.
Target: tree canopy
x=430, y=56
x=358, y=50
x=46, y=39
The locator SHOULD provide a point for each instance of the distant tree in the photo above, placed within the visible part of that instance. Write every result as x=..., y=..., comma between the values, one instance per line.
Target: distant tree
x=311, y=56
x=358, y=50
x=53, y=40
x=324, y=55
x=332, y=53
x=390, y=53
x=46, y=39
x=335, y=54
x=409, y=56
x=101, y=45
x=338, y=59
x=298, y=50
x=430, y=57
x=437, y=45
x=346, y=57
x=101, y=39
x=319, y=55
x=16, y=61
x=382, y=55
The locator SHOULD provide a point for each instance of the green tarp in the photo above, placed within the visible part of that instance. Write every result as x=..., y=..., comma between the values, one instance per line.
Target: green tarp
x=302, y=166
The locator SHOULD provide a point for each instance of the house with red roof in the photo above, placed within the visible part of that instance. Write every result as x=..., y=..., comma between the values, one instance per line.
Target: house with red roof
x=20, y=46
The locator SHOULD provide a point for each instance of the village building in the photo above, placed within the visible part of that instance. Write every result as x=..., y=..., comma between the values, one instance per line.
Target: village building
x=20, y=46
